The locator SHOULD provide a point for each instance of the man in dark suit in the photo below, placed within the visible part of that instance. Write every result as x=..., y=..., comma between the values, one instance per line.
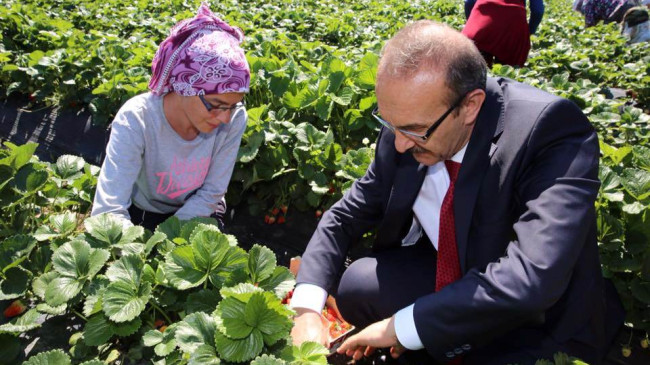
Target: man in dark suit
x=482, y=194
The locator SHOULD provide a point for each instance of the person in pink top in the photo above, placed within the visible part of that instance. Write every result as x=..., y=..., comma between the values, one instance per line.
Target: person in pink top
x=172, y=150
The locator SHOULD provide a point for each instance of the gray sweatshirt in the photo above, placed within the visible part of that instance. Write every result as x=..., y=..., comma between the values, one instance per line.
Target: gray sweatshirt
x=148, y=164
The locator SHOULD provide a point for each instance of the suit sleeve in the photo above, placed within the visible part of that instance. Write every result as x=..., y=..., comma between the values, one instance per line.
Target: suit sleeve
x=360, y=209
x=557, y=184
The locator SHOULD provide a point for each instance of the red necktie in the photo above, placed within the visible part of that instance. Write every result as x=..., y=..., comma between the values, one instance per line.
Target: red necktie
x=448, y=269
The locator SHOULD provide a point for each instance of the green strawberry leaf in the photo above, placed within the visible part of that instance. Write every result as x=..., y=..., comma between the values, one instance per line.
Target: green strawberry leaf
x=53, y=357
x=97, y=330
x=181, y=269
x=208, y=256
x=105, y=228
x=636, y=182
x=280, y=282
x=55, y=311
x=188, y=227
x=195, y=330
x=39, y=285
x=168, y=343
x=131, y=234
x=239, y=350
x=261, y=263
x=311, y=353
x=126, y=329
x=20, y=155
x=24, y=323
x=15, y=283
x=153, y=241
x=202, y=301
x=268, y=360
x=152, y=338
x=642, y=157
x=128, y=268
x=29, y=179
x=15, y=249
x=93, y=302
x=171, y=228
x=61, y=289
x=241, y=292
x=68, y=166
x=123, y=301
x=204, y=355
x=76, y=259
x=233, y=322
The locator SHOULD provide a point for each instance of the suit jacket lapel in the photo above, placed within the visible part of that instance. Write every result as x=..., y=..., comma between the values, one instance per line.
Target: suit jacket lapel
x=409, y=177
x=482, y=145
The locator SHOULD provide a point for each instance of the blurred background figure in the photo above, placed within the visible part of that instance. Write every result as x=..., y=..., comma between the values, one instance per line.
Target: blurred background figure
x=536, y=13
x=636, y=25
x=499, y=28
x=607, y=11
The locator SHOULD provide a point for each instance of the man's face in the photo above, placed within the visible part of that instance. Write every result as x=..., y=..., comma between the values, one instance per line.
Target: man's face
x=414, y=104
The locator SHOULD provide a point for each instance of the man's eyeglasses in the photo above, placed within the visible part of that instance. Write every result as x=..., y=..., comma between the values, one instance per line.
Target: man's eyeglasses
x=429, y=131
x=221, y=109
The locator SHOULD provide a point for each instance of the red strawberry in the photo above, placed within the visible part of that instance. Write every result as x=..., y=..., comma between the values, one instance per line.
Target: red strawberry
x=319, y=213
x=159, y=323
x=284, y=209
x=280, y=219
x=266, y=219
x=14, y=309
x=332, y=312
x=271, y=220
x=332, y=189
x=275, y=211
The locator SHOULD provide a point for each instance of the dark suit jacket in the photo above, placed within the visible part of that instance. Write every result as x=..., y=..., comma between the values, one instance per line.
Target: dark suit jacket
x=525, y=228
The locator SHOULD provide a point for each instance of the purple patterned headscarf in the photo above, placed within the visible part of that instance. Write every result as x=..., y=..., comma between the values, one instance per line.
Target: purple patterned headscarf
x=201, y=55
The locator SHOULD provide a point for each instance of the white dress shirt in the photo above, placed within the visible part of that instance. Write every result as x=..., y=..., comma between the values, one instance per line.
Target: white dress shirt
x=426, y=216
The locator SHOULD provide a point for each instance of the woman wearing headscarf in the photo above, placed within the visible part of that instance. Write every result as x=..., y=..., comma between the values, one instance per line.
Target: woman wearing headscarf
x=636, y=25
x=606, y=10
x=500, y=31
x=172, y=150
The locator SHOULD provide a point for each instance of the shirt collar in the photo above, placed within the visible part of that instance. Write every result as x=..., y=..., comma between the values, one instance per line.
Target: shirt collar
x=458, y=157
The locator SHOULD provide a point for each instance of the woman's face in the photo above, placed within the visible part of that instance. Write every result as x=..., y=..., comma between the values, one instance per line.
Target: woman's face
x=207, y=114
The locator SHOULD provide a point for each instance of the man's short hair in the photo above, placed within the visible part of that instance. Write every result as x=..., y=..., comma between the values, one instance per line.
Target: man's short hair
x=429, y=46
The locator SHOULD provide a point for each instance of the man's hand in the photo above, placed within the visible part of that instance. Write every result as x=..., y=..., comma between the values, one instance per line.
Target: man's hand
x=308, y=326
x=378, y=334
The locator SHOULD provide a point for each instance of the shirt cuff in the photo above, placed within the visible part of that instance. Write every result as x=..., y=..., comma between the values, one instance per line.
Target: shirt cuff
x=309, y=296
x=405, y=329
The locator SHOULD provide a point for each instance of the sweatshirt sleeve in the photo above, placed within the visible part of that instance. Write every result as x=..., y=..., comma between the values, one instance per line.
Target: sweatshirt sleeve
x=124, y=154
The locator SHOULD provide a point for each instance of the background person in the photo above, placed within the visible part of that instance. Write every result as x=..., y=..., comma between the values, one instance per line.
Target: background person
x=172, y=150
x=482, y=195
x=607, y=11
x=536, y=13
x=500, y=31
x=636, y=25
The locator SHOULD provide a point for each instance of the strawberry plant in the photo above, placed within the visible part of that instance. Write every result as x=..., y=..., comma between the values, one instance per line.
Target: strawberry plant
x=138, y=294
